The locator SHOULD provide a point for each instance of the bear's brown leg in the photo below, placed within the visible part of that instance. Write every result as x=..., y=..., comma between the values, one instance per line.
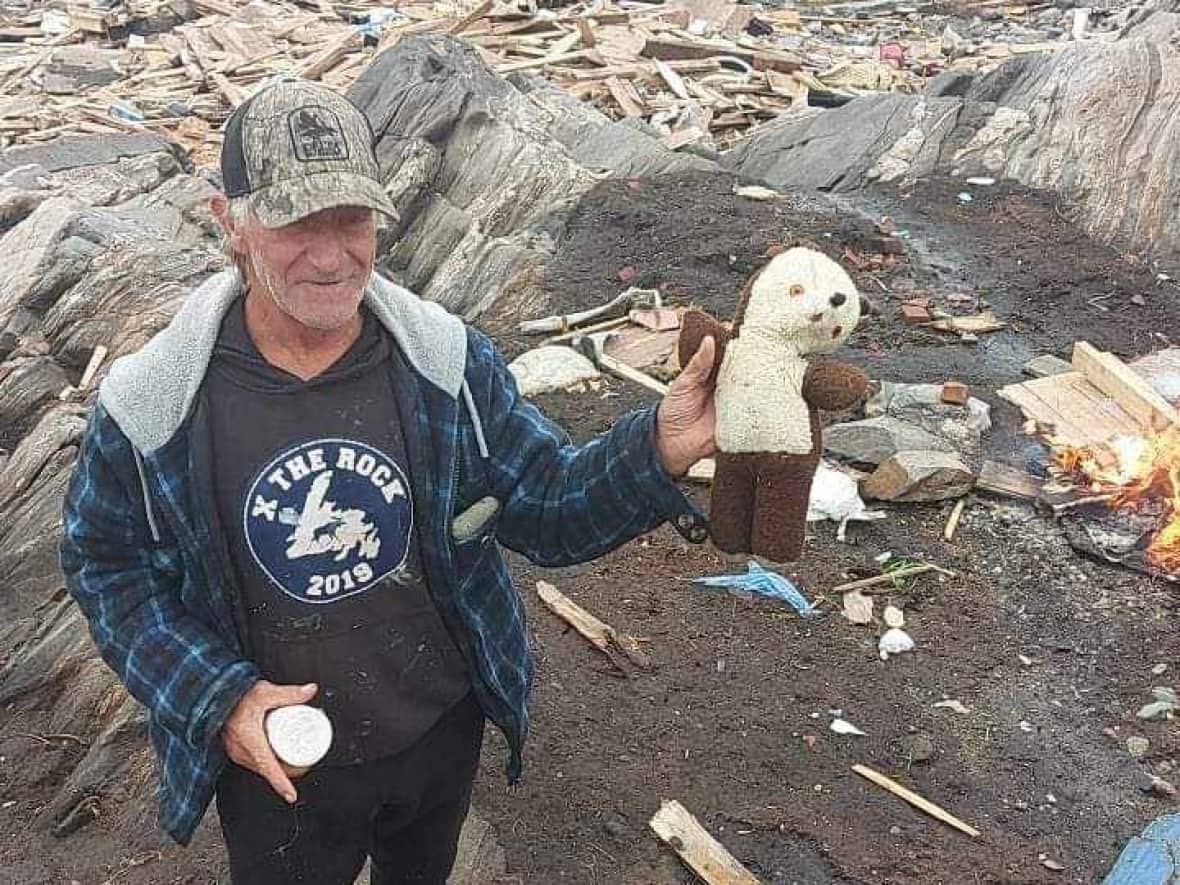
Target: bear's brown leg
x=780, y=510
x=731, y=507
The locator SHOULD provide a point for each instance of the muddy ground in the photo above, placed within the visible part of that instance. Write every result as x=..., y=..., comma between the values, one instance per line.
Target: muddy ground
x=733, y=718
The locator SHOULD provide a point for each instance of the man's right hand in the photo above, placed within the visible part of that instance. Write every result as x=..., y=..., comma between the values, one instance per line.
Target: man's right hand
x=244, y=733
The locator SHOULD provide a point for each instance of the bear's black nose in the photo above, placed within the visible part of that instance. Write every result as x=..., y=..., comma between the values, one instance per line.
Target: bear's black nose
x=838, y=299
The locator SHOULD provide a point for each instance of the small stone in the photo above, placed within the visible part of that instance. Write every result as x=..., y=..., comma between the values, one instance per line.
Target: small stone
x=956, y=706
x=894, y=617
x=894, y=641
x=1165, y=695
x=1045, y=365
x=1050, y=864
x=916, y=748
x=1157, y=786
x=1157, y=711
x=895, y=831
x=615, y=825
x=1138, y=747
x=1159, y=669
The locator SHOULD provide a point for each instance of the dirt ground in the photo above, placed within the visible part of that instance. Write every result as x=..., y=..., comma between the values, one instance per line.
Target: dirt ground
x=733, y=718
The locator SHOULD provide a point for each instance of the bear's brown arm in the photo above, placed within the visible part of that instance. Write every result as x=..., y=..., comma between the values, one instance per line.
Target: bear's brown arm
x=695, y=328
x=833, y=386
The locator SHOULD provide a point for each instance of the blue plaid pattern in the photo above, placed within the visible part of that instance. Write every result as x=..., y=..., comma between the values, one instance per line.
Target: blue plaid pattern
x=163, y=620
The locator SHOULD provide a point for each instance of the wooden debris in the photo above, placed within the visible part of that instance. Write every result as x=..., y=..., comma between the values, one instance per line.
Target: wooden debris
x=1008, y=482
x=703, y=854
x=892, y=577
x=915, y=800
x=601, y=635
x=92, y=367
x=1129, y=389
x=955, y=393
x=952, y=523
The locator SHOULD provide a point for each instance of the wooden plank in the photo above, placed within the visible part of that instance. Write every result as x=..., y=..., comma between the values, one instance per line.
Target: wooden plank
x=472, y=17
x=323, y=62
x=1122, y=383
x=549, y=59
x=647, y=69
x=1080, y=413
x=703, y=854
x=672, y=79
x=601, y=635
x=92, y=367
x=586, y=30
x=626, y=96
x=914, y=799
x=671, y=49
x=1008, y=482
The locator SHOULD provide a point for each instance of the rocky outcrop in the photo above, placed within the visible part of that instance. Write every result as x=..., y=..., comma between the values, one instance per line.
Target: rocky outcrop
x=1097, y=123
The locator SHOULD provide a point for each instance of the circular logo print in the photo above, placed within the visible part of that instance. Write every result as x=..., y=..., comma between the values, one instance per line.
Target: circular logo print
x=329, y=519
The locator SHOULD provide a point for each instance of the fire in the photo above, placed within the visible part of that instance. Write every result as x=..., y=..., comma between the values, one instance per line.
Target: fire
x=1134, y=468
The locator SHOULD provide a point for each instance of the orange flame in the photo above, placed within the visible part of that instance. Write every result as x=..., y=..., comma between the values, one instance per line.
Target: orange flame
x=1137, y=467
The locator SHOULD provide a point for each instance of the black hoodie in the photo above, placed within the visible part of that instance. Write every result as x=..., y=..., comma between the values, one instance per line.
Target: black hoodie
x=311, y=492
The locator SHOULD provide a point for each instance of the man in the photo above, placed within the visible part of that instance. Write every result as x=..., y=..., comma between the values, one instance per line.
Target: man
x=294, y=494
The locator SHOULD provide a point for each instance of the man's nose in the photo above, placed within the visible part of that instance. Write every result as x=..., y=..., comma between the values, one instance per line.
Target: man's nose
x=325, y=248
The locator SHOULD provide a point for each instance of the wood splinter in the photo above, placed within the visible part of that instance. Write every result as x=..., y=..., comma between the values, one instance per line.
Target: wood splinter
x=601, y=635
x=914, y=799
x=703, y=854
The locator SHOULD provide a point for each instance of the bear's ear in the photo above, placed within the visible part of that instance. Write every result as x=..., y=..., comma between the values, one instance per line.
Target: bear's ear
x=740, y=314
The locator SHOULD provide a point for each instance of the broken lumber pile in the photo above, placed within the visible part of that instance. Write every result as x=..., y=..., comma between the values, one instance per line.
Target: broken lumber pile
x=700, y=72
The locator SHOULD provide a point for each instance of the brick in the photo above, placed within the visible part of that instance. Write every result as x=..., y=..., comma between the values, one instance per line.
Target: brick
x=955, y=393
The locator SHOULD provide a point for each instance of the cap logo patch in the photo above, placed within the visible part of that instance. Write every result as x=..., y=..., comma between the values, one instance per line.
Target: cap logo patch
x=316, y=134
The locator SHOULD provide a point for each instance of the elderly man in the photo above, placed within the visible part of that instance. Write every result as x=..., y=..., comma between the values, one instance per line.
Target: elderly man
x=295, y=494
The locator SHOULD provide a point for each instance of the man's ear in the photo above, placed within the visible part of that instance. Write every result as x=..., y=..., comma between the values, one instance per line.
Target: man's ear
x=219, y=206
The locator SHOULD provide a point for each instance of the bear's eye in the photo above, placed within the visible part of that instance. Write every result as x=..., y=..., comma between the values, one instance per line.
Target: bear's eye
x=795, y=291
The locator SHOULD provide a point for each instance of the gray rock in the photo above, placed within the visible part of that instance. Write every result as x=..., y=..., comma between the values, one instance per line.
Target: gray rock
x=73, y=151
x=486, y=171
x=1157, y=711
x=550, y=368
x=919, y=476
x=1050, y=122
x=1166, y=694
x=1045, y=365
x=921, y=405
x=1149, y=783
x=1138, y=747
x=875, y=440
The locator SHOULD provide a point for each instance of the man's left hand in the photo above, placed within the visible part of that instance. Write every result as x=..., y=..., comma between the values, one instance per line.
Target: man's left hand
x=686, y=418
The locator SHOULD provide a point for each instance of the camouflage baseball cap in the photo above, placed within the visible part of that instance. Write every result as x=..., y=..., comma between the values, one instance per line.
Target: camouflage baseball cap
x=297, y=147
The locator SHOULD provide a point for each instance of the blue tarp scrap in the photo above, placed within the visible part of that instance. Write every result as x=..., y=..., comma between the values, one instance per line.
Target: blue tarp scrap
x=758, y=581
x=1152, y=858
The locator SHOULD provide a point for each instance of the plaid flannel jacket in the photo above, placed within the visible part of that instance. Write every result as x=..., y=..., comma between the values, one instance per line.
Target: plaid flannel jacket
x=161, y=612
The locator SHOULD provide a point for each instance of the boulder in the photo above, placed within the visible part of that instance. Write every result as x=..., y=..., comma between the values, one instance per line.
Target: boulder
x=485, y=171
x=875, y=440
x=922, y=405
x=550, y=368
x=1051, y=122
x=919, y=476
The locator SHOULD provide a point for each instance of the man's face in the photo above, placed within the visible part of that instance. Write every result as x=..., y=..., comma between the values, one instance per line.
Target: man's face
x=316, y=269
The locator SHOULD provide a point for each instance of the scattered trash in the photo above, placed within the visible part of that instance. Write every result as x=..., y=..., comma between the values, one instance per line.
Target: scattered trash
x=758, y=581
x=835, y=497
x=965, y=197
x=757, y=192
x=894, y=642
x=894, y=617
x=981, y=181
x=955, y=706
x=858, y=608
x=1159, y=669
x=1149, y=858
x=843, y=726
x=1050, y=864
x=1156, y=711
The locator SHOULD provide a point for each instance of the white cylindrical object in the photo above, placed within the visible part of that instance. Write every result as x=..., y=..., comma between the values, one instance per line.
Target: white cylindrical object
x=299, y=735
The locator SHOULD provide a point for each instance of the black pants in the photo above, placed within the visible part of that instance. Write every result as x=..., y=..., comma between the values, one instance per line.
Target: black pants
x=404, y=811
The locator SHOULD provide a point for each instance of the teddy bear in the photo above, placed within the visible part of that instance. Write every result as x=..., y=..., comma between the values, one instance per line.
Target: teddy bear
x=768, y=396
